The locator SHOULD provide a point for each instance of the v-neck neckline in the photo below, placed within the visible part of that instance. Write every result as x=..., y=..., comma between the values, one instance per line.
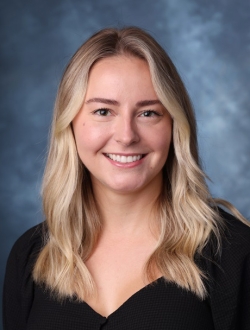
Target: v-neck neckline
x=127, y=301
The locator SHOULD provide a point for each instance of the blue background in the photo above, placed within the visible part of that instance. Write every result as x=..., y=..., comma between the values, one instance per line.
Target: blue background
x=209, y=41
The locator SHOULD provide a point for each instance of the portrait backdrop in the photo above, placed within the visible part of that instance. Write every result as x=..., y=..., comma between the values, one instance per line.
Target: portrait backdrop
x=208, y=41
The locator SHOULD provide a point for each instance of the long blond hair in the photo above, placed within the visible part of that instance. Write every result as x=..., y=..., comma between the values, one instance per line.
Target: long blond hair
x=186, y=211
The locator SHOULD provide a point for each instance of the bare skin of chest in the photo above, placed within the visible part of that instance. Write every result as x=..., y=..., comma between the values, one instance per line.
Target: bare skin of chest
x=117, y=268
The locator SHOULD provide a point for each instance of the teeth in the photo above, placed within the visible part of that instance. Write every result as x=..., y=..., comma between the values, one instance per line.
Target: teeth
x=124, y=159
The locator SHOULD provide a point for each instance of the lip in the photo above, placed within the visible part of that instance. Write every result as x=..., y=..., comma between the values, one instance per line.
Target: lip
x=123, y=164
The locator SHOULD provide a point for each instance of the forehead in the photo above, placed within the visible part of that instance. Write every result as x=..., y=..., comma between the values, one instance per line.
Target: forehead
x=120, y=73
x=119, y=62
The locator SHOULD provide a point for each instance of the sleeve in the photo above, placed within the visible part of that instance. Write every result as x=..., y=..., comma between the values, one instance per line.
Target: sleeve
x=243, y=316
x=13, y=317
x=18, y=283
x=229, y=291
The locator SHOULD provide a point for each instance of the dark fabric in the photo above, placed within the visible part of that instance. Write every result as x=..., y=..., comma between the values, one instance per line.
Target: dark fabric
x=158, y=306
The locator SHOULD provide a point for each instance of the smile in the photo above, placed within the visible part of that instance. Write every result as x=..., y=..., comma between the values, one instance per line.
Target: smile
x=124, y=159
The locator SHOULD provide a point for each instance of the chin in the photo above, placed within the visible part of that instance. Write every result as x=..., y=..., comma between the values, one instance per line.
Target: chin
x=127, y=188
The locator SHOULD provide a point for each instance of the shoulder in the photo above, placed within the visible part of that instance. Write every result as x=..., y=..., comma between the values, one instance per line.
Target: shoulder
x=234, y=241
x=18, y=283
x=234, y=245
x=235, y=237
x=228, y=273
x=31, y=239
x=27, y=246
x=228, y=262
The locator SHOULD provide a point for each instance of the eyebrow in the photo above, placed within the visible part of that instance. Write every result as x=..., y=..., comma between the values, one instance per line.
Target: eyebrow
x=114, y=102
x=147, y=102
x=102, y=100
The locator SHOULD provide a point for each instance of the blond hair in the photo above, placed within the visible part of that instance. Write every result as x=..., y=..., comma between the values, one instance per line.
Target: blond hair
x=188, y=214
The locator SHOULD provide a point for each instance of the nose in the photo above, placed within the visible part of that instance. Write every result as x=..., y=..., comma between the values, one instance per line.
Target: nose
x=126, y=132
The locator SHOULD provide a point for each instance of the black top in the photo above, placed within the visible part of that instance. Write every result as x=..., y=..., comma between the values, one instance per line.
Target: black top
x=160, y=305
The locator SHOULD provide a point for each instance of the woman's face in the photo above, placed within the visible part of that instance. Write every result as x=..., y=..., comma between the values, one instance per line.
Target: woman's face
x=122, y=132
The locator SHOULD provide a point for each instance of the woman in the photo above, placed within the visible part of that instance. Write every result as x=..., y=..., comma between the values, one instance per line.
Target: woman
x=132, y=237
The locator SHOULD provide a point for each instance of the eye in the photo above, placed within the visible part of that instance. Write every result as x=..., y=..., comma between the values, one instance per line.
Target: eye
x=149, y=113
x=102, y=112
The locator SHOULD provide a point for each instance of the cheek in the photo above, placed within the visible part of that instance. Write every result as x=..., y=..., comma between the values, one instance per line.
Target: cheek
x=163, y=135
x=163, y=142
x=89, y=138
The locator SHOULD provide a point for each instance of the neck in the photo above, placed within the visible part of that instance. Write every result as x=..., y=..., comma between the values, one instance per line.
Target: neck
x=127, y=213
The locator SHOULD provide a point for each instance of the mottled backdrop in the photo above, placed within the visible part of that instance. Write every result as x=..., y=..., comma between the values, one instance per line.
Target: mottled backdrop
x=209, y=41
